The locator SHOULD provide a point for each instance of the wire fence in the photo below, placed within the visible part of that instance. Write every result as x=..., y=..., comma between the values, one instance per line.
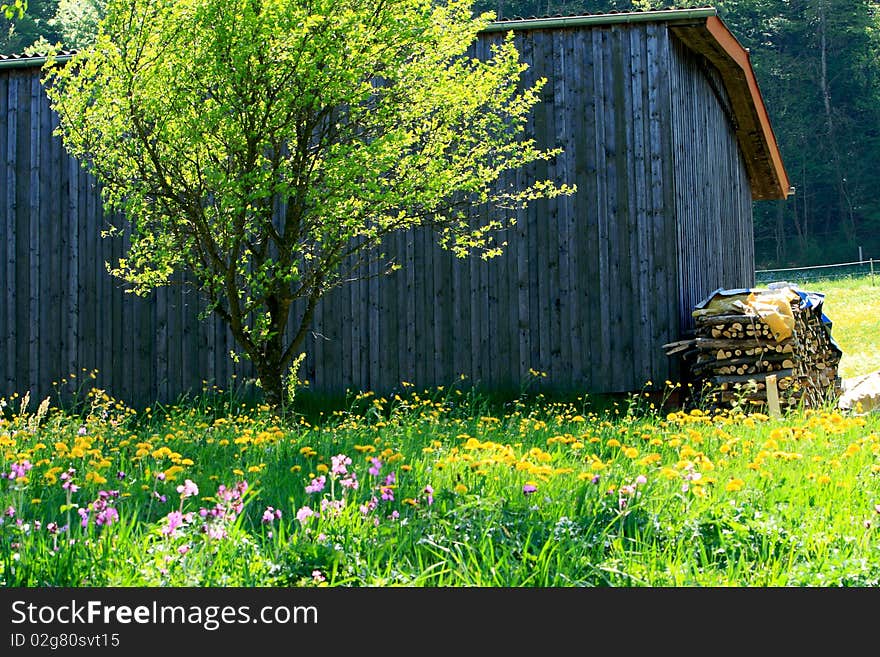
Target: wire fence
x=861, y=269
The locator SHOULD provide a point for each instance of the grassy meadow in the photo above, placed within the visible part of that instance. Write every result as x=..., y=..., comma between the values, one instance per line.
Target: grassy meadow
x=447, y=488
x=853, y=306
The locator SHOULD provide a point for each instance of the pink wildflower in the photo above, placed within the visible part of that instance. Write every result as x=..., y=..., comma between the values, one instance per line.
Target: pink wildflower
x=188, y=489
x=304, y=514
x=340, y=461
x=316, y=485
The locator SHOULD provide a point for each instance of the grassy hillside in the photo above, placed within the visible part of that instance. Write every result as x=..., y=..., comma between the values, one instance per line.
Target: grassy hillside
x=853, y=306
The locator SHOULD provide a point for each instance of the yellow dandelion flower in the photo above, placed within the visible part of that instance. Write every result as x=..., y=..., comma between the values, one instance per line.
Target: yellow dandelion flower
x=95, y=478
x=631, y=452
x=613, y=442
x=734, y=485
x=460, y=488
x=823, y=479
x=296, y=468
x=322, y=468
x=238, y=472
x=172, y=472
x=405, y=467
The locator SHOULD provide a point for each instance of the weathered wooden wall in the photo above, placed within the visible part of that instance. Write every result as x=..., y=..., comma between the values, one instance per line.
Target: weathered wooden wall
x=712, y=193
x=588, y=289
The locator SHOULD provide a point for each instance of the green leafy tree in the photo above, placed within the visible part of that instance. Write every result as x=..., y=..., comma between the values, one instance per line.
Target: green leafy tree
x=261, y=145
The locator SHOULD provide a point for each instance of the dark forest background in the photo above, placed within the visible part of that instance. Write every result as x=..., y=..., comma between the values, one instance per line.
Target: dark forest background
x=818, y=68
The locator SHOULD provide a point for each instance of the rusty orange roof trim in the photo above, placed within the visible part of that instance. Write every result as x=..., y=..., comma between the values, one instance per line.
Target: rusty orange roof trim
x=740, y=56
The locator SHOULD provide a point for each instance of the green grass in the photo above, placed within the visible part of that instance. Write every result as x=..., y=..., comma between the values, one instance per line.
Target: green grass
x=465, y=490
x=540, y=495
x=853, y=306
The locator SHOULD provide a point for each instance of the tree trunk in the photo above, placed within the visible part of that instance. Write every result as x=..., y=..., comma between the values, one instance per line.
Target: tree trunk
x=844, y=205
x=271, y=380
x=779, y=232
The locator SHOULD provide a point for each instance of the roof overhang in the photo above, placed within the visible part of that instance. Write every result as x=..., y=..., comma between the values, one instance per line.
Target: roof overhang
x=30, y=61
x=705, y=34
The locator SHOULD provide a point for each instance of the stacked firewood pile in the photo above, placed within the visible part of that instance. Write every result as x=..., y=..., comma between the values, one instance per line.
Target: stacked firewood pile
x=761, y=346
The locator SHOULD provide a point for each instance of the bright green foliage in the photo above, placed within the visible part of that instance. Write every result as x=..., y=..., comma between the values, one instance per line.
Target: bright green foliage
x=259, y=144
x=17, y=8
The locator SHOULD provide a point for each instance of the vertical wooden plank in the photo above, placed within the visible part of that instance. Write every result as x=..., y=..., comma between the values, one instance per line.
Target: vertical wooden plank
x=662, y=217
x=102, y=310
x=408, y=372
x=440, y=289
x=143, y=336
x=586, y=314
x=573, y=348
x=429, y=303
x=87, y=292
x=563, y=69
x=606, y=212
x=51, y=221
x=363, y=382
x=333, y=346
x=623, y=329
x=420, y=308
x=371, y=381
x=74, y=279
x=644, y=303
x=475, y=374
x=161, y=351
x=486, y=349
x=461, y=301
x=320, y=375
x=355, y=323
x=501, y=330
x=547, y=219
x=35, y=243
x=23, y=238
x=5, y=236
x=389, y=349
x=544, y=216
x=10, y=210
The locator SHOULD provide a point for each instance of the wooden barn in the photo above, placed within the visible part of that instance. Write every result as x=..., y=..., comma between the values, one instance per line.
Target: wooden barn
x=665, y=134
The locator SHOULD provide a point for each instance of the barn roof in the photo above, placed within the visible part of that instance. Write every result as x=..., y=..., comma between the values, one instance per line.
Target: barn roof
x=703, y=33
